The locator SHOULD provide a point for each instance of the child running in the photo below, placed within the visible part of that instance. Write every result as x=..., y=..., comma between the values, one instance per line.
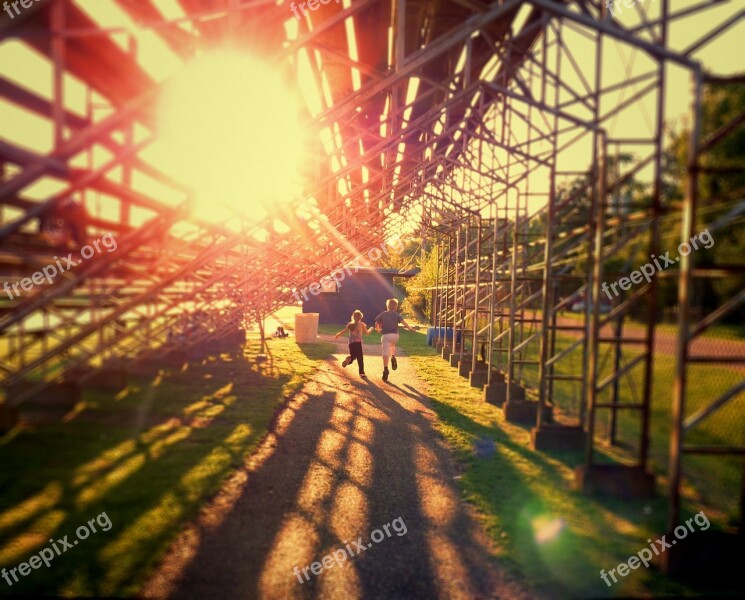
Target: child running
x=356, y=327
x=387, y=323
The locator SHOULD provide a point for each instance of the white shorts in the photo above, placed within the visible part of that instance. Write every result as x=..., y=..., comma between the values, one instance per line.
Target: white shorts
x=389, y=341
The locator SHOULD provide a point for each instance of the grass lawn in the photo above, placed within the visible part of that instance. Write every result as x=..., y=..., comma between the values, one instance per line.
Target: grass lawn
x=149, y=457
x=542, y=529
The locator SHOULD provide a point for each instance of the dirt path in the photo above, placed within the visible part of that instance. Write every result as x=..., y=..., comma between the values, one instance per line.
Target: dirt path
x=347, y=457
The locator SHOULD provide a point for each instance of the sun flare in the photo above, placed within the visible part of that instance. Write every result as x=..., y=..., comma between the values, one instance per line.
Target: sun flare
x=231, y=130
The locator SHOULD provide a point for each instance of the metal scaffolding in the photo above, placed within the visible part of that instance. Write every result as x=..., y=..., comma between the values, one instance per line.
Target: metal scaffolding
x=513, y=103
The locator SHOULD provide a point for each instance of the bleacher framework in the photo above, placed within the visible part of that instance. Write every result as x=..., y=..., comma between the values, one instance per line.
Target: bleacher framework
x=512, y=102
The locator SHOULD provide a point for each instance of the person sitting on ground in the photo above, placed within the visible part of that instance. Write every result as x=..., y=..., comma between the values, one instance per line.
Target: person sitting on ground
x=387, y=323
x=281, y=332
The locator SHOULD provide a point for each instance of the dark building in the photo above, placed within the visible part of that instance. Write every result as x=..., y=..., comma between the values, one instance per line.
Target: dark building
x=366, y=290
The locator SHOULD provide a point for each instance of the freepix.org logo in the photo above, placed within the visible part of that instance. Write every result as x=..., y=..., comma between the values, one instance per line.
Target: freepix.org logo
x=338, y=556
x=14, y=5
x=46, y=555
x=333, y=280
x=648, y=269
x=50, y=271
x=312, y=5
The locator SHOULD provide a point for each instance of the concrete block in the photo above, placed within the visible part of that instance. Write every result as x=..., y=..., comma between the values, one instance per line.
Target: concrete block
x=112, y=380
x=524, y=411
x=455, y=359
x=141, y=368
x=557, y=438
x=496, y=392
x=497, y=376
x=9, y=417
x=614, y=480
x=705, y=556
x=55, y=397
x=464, y=368
x=446, y=351
x=175, y=358
x=477, y=378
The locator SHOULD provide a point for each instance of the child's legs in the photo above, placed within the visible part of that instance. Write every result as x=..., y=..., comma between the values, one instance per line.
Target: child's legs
x=356, y=349
x=392, y=343
x=388, y=342
x=351, y=353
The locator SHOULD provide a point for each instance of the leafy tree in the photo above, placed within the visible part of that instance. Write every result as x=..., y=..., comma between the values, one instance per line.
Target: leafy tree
x=721, y=184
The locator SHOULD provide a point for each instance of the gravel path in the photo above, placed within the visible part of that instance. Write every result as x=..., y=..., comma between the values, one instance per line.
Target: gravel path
x=346, y=458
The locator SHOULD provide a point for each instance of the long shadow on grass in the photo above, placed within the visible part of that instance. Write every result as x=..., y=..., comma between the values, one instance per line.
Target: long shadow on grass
x=147, y=477
x=457, y=527
x=513, y=484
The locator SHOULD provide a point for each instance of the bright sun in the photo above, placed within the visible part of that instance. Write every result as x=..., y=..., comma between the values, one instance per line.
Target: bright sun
x=230, y=129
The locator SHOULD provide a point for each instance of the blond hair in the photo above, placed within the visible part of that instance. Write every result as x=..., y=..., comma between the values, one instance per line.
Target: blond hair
x=354, y=321
x=391, y=304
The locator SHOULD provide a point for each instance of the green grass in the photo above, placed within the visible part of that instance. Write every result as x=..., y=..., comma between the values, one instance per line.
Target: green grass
x=149, y=457
x=333, y=328
x=542, y=530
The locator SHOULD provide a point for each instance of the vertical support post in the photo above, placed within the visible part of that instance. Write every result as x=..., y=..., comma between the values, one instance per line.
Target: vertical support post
x=455, y=286
x=552, y=342
x=124, y=213
x=464, y=296
x=593, y=344
x=513, y=307
x=548, y=315
x=434, y=315
x=595, y=258
x=547, y=312
x=685, y=282
x=46, y=329
x=654, y=246
x=58, y=73
x=444, y=320
x=614, y=395
x=477, y=266
x=398, y=24
x=492, y=298
x=399, y=33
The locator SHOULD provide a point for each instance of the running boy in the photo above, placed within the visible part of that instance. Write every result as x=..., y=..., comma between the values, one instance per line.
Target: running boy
x=387, y=323
x=356, y=327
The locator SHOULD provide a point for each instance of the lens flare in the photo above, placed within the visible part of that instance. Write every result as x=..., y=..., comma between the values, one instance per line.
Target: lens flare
x=230, y=129
x=546, y=529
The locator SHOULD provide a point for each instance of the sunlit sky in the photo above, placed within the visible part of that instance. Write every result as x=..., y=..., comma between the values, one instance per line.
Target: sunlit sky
x=31, y=70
